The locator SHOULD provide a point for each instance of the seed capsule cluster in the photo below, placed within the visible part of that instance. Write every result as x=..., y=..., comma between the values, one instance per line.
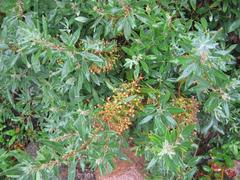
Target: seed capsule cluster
x=119, y=109
x=111, y=59
x=191, y=108
x=60, y=61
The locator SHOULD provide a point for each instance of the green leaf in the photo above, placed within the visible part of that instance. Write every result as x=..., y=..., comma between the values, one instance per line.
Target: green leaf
x=187, y=131
x=20, y=155
x=152, y=163
x=54, y=145
x=67, y=68
x=204, y=23
x=81, y=19
x=130, y=98
x=146, y=119
x=136, y=71
x=35, y=63
x=10, y=132
x=13, y=172
x=193, y=3
x=218, y=128
x=12, y=140
x=72, y=170
x=3, y=46
x=13, y=62
x=171, y=121
x=208, y=127
x=228, y=160
x=193, y=161
x=95, y=95
x=120, y=24
x=148, y=90
x=230, y=48
x=10, y=99
x=85, y=70
x=235, y=25
x=128, y=51
x=225, y=6
x=82, y=165
x=91, y=57
x=142, y=19
x=127, y=29
x=131, y=21
x=38, y=176
x=102, y=169
x=207, y=169
x=190, y=174
x=187, y=71
x=175, y=110
x=75, y=37
x=211, y=104
x=45, y=27
x=144, y=66
x=226, y=109
x=165, y=97
x=95, y=79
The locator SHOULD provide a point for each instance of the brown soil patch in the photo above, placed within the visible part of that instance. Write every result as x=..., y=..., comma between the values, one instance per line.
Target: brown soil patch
x=132, y=169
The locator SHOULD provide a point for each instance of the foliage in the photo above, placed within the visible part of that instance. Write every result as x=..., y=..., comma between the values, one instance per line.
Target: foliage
x=169, y=153
x=79, y=78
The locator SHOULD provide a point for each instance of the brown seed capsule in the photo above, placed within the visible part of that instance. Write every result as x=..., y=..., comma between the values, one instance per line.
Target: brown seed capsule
x=190, y=107
x=116, y=111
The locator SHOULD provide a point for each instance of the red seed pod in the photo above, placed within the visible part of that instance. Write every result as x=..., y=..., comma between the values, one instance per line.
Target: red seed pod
x=216, y=168
x=230, y=172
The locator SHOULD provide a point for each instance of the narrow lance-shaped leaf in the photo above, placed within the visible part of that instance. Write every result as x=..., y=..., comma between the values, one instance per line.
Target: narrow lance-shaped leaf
x=81, y=19
x=146, y=119
x=13, y=62
x=234, y=25
x=67, y=68
x=193, y=4
x=187, y=71
x=126, y=29
x=36, y=63
x=45, y=27
x=75, y=37
x=144, y=66
x=91, y=57
x=72, y=170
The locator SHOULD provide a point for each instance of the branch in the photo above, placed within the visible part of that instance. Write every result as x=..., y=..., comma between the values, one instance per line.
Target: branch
x=66, y=156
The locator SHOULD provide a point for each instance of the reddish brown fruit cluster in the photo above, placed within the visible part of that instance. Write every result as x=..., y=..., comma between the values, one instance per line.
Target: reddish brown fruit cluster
x=190, y=107
x=119, y=109
x=216, y=168
x=230, y=173
x=18, y=145
x=111, y=59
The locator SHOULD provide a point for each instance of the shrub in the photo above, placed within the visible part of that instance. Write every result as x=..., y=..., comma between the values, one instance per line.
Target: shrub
x=80, y=77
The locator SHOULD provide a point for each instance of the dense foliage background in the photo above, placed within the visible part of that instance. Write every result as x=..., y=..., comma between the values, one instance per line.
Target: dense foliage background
x=82, y=78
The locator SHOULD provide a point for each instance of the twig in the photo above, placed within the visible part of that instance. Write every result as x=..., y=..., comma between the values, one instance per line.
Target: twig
x=20, y=8
x=64, y=137
x=66, y=156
